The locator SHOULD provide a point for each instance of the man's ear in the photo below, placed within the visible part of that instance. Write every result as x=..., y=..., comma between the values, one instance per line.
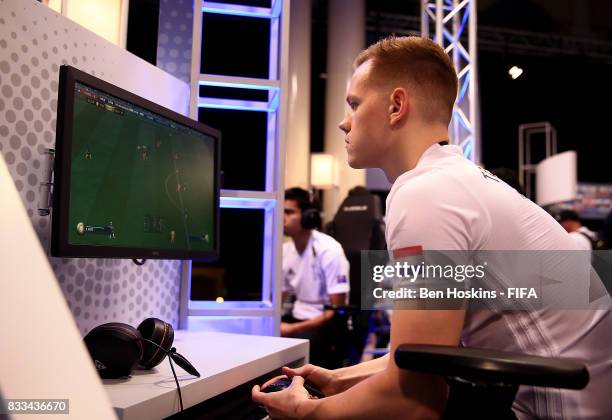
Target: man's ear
x=399, y=105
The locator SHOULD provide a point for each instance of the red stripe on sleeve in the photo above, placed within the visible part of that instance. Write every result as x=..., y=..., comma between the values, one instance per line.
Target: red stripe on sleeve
x=409, y=251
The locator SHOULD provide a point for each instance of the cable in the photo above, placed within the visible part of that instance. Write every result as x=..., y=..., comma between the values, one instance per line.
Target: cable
x=175, y=378
x=172, y=353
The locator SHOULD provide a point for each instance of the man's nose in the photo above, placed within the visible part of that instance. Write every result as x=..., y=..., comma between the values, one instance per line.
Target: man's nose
x=345, y=125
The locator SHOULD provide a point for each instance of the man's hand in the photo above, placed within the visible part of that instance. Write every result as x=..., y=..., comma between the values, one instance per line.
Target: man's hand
x=287, y=329
x=290, y=403
x=322, y=379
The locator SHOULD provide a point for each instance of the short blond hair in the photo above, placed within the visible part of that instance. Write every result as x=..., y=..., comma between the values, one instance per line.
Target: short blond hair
x=423, y=64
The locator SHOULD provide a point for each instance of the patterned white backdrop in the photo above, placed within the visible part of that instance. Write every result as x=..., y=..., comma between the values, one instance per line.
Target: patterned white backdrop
x=34, y=42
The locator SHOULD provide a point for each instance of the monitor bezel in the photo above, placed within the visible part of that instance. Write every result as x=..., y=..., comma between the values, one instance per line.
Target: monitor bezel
x=60, y=247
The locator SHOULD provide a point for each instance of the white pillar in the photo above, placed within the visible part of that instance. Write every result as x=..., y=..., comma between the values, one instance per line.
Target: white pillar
x=297, y=161
x=346, y=38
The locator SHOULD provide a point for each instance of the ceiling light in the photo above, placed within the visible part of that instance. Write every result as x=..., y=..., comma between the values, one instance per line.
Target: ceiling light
x=515, y=72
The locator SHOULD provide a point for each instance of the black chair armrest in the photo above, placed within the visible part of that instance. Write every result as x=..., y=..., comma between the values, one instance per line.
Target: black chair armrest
x=339, y=308
x=492, y=366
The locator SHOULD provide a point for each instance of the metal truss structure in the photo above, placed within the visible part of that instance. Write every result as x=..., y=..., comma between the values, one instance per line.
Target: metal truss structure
x=527, y=166
x=504, y=40
x=448, y=21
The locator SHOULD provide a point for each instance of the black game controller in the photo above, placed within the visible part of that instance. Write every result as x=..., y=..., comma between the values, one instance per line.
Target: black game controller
x=283, y=383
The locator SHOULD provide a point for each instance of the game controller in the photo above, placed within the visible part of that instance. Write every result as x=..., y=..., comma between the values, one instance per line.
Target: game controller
x=283, y=383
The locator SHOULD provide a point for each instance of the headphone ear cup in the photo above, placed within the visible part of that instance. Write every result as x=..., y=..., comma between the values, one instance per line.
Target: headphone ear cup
x=311, y=219
x=159, y=332
x=115, y=348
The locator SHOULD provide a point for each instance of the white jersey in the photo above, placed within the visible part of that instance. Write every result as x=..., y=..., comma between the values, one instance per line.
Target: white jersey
x=581, y=237
x=321, y=270
x=448, y=203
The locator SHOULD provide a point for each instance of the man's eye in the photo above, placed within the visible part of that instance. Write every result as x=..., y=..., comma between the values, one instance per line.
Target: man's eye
x=353, y=105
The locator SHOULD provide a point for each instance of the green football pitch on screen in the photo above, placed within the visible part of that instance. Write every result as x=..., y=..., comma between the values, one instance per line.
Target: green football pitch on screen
x=138, y=179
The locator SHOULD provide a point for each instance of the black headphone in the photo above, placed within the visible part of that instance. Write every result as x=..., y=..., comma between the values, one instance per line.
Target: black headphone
x=311, y=217
x=309, y=207
x=117, y=348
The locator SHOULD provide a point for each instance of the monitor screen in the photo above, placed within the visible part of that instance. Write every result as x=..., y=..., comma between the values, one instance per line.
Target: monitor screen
x=132, y=179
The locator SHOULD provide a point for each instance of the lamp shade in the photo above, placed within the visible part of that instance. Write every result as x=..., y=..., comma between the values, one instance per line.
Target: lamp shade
x=323, y=171
x=556, y=179
x=107, y=18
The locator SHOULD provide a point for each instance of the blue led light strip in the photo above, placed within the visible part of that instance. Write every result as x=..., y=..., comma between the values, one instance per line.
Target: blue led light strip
x=241, y=10
x=238, y=82
x=467, y=152
x=247, y=203
x=237, y=105
x=250, y=199
x=464, y=87
x=237, y=85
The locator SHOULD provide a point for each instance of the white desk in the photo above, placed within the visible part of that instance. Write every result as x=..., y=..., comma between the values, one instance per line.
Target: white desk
x=224, y=361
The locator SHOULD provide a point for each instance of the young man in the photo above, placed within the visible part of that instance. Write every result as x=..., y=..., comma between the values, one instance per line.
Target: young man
x=401, y=97
x=316, y=270
x=582, y=235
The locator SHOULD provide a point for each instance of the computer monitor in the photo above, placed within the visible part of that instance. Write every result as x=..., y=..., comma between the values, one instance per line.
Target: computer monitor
x=132, y=179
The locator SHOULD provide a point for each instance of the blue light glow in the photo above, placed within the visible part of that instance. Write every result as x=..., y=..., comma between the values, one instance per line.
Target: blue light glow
x=276, y=7
x=461, y=117
x=456, y=45
x=249, y=203
x=275, y=101
x=239, y=85
x=467, y=152
x=240, y=10
x=235, y=316
x=466, y=83
x=237, y=105
x=466, y=14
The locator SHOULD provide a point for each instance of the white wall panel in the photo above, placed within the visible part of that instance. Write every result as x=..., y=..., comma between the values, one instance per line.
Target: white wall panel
x=34, y=42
